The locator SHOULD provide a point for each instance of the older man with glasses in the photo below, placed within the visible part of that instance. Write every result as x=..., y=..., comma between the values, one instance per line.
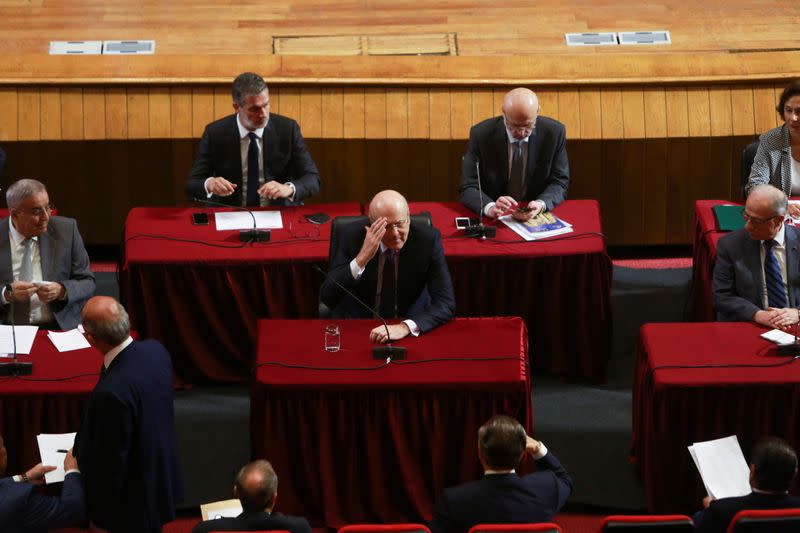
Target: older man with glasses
x=44, y=266
x=757, y=275
x=395, y=265
x=522, y=158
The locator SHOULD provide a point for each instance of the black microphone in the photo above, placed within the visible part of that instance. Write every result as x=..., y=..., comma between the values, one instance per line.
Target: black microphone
x=378, y=352
x=15, y=367
x=793, y=349
x=479, y=230
x=245, y=235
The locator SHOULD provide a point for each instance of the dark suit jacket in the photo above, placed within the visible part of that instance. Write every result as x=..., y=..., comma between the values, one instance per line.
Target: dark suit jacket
x=504, y=499
x=64, y=259
x=424, y=289
x=286, y=158
x=546, y=170
x=739, y=279
x=2, y=161
x=23, y=509
x=261, y=521
x=718, y=515
x=126, y=443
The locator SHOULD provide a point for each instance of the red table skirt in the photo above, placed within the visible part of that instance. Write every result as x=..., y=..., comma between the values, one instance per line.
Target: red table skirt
x=674, y=408
x=379, y=446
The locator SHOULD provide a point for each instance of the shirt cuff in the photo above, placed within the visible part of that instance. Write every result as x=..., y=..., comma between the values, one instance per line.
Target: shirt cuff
x=17, y=479
x=488, y=208
x=205, y=186
x=542, y=451
x=294, y=190
x=72, y=471
x=356, y=270
x=413, y=327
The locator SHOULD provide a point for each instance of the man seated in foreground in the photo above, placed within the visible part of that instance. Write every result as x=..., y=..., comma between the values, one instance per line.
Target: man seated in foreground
x=502, y=496
x=256, y=487
x=772, y=469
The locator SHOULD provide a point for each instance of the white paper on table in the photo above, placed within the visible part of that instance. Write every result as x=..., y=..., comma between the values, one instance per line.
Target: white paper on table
x=49, y=443
x=221, y=509
x=25, y=336
x=722, y=467
x=231, y=220
x=66, y=341
x=779, y=337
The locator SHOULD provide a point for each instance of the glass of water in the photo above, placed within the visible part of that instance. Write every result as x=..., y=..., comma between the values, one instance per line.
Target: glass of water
x=333, y=338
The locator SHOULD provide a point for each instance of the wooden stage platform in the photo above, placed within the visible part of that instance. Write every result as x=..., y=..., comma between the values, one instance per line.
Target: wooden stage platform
x=650, y=128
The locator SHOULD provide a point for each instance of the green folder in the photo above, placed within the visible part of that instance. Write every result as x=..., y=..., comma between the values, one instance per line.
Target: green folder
x=729, y=217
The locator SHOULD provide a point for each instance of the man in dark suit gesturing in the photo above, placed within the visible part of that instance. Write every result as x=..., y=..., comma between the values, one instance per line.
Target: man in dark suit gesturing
x=395, y=265
x=126, y=441
x=22, y=509
x=256, y=487
x=772, y=469
x=522, y=158
x=757, y=273
x=253, y=156
x=502, y=496
x=44, y=267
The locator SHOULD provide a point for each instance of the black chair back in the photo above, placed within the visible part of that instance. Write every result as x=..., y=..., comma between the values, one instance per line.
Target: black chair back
x=748, y=155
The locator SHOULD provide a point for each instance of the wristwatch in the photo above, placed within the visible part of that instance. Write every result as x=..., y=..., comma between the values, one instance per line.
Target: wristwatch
x=7, y=291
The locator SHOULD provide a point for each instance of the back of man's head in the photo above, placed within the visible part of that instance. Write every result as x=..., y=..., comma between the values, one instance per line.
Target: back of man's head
x=501, y=442
x=774, y=465
x=256, y=486
x=106, y=320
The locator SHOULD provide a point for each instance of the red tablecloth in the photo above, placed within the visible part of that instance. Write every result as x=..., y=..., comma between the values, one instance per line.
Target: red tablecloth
x=199, y=291
x=673, y=408
x=355, y=443
x=45, y=402
x=706, y=236
x=561, y=287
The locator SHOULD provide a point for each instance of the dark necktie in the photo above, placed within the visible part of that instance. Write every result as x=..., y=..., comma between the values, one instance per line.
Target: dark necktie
x=388, y=307
x=776, y=296
x=252, y=172
x=516, y=178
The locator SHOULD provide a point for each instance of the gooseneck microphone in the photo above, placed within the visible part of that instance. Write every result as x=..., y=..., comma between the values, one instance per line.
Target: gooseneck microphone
x=378, y=352
x=479, y=230
x=245, y=235
x=15, y=367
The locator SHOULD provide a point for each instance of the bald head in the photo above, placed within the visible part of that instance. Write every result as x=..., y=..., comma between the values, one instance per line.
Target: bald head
x=392, y=206
x=520, y=110
x=106, y=321
x=256, y=486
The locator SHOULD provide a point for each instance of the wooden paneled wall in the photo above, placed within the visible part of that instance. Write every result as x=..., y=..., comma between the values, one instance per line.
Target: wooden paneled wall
x=33, y=113
x=646, y=187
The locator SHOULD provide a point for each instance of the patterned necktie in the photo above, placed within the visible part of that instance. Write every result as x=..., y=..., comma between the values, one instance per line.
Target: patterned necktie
x=253, y=199
x=516, y=178
x=388, y=306
x=22, y=310
x=776, y=294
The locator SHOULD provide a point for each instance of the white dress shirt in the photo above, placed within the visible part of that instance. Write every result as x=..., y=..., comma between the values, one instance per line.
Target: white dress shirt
x=40, y=312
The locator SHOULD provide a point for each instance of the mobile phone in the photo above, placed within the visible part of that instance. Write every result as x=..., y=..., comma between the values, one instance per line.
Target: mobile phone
x=524, y=209
x=200, y=219
x=465, y=222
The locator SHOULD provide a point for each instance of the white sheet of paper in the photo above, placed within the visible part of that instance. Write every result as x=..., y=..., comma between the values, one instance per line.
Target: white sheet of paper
x=722, y=467
x=25, y=336
x=66, y=341
x=221, y=509
x=778, y=336
x=234, y=220
x=48, y=444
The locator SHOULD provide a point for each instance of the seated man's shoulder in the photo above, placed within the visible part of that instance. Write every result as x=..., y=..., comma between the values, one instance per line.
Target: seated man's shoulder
x=548, y=124
x=275, y=521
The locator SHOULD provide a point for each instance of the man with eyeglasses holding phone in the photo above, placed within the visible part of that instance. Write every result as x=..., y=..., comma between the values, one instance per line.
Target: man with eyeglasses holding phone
x=522, y=158
x=757, y=273
x=44, y=267
x=394, y=265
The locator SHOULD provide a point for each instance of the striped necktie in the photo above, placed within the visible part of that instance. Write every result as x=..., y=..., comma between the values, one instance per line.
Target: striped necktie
x=776, y=294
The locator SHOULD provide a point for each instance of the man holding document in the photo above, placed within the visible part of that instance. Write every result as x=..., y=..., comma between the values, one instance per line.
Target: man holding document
x=773, y=466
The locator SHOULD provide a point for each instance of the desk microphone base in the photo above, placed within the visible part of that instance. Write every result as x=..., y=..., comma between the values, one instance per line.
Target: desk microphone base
x=789, y=350
x=16, y=369
x=395, y=353
x=254, y=235
x=480, y=231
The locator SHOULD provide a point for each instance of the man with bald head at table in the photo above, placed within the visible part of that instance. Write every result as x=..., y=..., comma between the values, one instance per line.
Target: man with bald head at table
x=522, y=158
x=393, y=264
x=126, y=441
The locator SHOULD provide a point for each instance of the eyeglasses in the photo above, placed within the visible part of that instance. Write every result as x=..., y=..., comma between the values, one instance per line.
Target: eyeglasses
x=38, y=211
x=396, y=225
x=520, y=127
x=758, y=221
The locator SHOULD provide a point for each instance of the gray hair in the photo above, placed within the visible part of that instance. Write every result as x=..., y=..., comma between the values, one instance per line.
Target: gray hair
x=110, y=331
x=22, y=189
x=257, y=496
x=247, y=84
